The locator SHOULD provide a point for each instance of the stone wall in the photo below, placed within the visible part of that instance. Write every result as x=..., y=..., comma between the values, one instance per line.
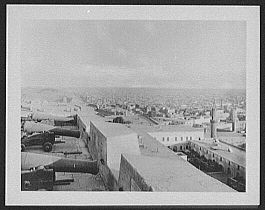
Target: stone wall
x=97, y=145
x=108, y=178
x=82, y=128
x=130, y=179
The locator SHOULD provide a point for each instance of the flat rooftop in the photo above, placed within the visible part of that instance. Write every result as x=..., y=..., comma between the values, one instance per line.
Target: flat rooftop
x=87, y=114
x=237, y=156
x=168, y=128
x=174, y=175
x=111, y=129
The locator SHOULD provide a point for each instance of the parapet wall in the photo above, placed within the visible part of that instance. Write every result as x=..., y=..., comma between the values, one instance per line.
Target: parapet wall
x=92, y=145
x=82, y=128
x=130, y=179
x=108, y=178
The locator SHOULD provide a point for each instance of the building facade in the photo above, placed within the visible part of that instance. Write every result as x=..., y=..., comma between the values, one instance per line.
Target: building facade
x=177, y=137
x=229, y=166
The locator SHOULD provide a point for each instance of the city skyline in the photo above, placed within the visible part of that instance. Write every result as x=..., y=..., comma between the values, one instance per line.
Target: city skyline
x=120, y=87
x=149, y=54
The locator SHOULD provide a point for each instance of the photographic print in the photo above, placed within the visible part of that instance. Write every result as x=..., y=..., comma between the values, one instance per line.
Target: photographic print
x=125, y=104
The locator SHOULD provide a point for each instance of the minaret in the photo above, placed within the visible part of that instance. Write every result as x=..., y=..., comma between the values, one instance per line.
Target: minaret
x=213, y=122
x=234, y=120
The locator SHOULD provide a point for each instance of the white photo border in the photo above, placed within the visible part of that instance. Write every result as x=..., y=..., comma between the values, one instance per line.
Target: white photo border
x=15, y=13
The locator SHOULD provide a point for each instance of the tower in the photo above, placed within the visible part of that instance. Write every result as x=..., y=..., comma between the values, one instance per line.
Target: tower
x=213, y=122
x=234, y=120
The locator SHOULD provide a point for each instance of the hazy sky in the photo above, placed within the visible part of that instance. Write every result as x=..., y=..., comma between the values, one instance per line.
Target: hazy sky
x=173, y=54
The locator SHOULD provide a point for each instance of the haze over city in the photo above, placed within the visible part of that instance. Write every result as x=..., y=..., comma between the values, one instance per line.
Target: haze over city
x=130, y=53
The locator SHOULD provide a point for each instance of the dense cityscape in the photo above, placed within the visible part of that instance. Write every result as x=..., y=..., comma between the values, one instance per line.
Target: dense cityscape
x=162, y=106
x=177, y=119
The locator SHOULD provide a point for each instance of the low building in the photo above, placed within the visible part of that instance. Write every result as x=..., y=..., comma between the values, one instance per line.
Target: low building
x=174, y=136
x=232, y=159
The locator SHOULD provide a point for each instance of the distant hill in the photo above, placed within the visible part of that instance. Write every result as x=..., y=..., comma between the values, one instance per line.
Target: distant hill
x=163, y=94
x=48, y=94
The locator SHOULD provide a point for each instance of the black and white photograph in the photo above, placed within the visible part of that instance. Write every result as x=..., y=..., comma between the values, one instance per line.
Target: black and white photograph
x=122, y=99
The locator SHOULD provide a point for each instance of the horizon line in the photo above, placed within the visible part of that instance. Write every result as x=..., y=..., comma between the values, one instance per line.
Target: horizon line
x=189, y=88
